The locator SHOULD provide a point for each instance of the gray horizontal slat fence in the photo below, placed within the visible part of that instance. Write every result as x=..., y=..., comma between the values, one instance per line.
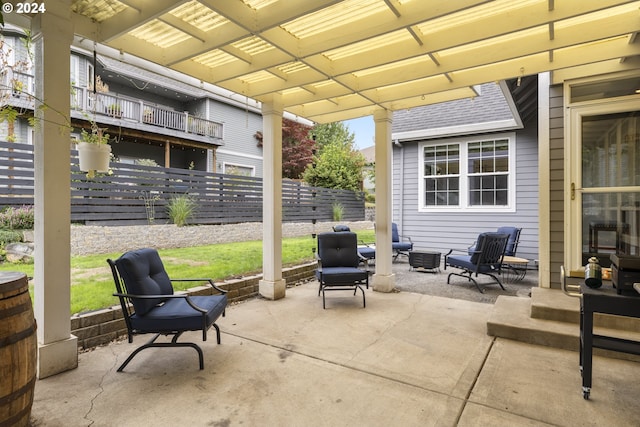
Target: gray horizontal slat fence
x=135, y=194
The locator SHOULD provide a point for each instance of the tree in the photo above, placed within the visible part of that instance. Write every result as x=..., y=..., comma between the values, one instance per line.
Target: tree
x=333, y=132
x=338, y=164
x=297, y=148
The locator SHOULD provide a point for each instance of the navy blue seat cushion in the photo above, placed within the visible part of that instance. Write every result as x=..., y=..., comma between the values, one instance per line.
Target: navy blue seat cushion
x=367, y=252
x=341, y=227
x=401, y=246
x=340, y=275
x=177, y=314
x=338, y=249
x=143, y=274
x=466, y=262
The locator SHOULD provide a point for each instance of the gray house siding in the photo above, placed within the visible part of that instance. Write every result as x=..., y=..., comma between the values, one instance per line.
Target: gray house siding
x=443, y=231
x=556, y=181
x=240, y=147
x=21, y=131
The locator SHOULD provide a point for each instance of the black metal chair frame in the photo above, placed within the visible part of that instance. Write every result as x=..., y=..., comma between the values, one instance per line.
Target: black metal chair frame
x=126, y=303
x=490, y=252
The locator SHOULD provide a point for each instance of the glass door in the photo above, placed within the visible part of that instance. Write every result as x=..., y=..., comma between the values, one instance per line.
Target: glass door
x=605, y=183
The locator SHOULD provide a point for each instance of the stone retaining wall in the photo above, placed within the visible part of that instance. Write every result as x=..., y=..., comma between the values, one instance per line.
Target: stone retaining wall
x=87, y=239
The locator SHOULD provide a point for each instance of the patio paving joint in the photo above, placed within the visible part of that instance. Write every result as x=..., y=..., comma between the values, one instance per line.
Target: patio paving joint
x=467, y=397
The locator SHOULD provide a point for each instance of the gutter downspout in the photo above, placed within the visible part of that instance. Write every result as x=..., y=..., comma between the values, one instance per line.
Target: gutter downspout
x=397, y=143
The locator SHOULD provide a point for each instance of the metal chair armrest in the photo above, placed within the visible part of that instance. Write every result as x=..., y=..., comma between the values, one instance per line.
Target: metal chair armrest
x=210, y=281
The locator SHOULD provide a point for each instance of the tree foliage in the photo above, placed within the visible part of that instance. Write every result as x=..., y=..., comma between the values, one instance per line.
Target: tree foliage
x=333, y=132
x=297, y=148
x=338, y=164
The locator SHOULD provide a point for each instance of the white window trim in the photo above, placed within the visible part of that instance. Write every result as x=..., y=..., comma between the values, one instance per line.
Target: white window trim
x=464, y=182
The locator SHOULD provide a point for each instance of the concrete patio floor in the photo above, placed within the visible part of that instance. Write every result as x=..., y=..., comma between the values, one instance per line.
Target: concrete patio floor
x=407, y=359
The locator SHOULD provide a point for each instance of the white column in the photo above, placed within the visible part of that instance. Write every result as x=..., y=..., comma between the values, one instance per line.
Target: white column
x=272, y=285
x=544, y=191
x=57, y=348
x=383, y=279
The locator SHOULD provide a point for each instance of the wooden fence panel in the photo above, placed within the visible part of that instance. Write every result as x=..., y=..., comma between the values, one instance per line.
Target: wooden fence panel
x=135, y=194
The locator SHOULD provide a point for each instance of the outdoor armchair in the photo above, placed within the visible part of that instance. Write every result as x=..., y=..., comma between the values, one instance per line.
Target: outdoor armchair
x=485, y=259
x=400, y=245
x=512, y=243
x=149, y=304
x=338, y=261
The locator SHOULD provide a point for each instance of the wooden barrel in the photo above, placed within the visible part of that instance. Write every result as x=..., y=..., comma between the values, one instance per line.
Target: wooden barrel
x=18, y=350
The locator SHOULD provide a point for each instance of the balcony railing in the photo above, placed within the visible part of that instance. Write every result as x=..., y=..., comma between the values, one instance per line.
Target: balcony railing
x=17, y=88
x=135, y=110
x=15, y=84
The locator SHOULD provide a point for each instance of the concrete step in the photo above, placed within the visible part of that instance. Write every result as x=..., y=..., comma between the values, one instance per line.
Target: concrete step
x=553, y=304
x=511, y=318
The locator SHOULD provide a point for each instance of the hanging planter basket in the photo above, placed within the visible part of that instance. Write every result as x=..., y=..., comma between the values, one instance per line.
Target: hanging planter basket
x=94, y=157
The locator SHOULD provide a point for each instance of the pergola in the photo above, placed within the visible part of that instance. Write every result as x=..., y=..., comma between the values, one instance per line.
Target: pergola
x=324, y=60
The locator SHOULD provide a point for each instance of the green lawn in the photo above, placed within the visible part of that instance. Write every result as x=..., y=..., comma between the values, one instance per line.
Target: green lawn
x=92, y=284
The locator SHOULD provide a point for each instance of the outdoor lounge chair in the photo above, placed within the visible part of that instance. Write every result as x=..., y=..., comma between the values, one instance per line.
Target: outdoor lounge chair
x=486, y=259
x=150, y=306
x=400, y=245
x=512, y=244
x=338, y=261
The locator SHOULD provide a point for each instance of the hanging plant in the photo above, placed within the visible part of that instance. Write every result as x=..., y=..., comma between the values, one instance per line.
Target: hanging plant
x=94, y=151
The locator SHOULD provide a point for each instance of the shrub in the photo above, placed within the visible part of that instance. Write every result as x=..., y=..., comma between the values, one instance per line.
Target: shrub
x=338, y=211
x=9, y=236
x=181, y=209
x=21, y=218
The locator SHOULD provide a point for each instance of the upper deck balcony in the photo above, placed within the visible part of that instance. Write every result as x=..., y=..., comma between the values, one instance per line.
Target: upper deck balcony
x=17, y=89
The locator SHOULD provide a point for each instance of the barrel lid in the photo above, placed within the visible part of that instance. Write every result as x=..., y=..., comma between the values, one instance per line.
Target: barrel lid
x=11, y=281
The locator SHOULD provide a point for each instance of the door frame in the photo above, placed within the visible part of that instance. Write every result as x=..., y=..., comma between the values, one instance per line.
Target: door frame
x=573, y=191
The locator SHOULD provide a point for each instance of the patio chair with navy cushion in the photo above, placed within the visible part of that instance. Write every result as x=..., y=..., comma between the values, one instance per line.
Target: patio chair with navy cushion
x=400, y=245
x=149, y=305
x=512, y=244
x=338, y=261
x=486, y=259
x=514, y=239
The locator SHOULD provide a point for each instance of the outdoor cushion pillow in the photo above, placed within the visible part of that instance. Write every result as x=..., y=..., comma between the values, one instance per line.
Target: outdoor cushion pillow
x=143, y=274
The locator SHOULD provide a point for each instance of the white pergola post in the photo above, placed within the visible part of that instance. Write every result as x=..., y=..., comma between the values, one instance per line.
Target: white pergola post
x=57, y=348
x=272, y=285
x=383, y=279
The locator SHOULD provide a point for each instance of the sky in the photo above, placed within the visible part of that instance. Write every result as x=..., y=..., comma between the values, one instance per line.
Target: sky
x=364, y=130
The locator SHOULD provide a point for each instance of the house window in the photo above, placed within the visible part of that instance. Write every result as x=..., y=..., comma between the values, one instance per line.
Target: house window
x=489, y=173
x=240, y=170
x=470, y=174
x=442, y=175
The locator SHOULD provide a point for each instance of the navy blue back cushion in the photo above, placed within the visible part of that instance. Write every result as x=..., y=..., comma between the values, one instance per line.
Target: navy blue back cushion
x=143, y=274
x=513, y=233
x=341, y=227
x=338, y=249
x=395, y=237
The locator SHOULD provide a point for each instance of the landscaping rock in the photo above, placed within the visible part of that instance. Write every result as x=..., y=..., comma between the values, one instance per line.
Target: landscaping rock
x=19, y=252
